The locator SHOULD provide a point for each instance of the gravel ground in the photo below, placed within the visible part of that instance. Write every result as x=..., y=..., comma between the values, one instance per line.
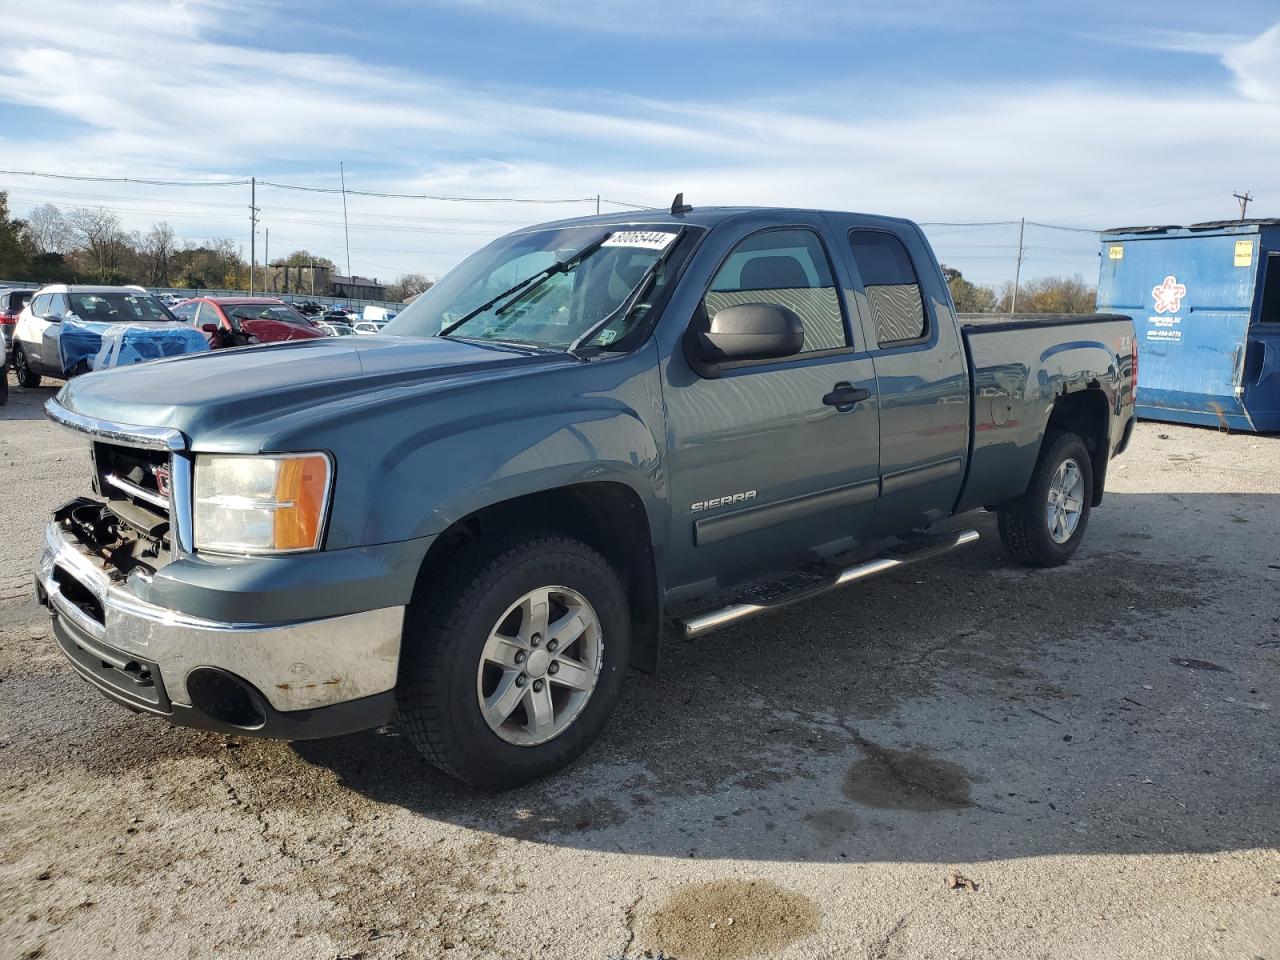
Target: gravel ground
x=965, y=759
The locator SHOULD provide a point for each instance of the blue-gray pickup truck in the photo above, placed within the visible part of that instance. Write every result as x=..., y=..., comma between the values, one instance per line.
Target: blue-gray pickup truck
x=589, y=434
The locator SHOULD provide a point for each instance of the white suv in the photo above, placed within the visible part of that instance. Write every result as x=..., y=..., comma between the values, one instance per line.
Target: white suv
x=35, y=347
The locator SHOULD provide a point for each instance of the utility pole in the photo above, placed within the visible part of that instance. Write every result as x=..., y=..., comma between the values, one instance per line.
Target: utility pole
x=1017, y=271
x=346, y=231
x=267, y=278
x=597, y=204
x=1244, y=199
x=253, y=230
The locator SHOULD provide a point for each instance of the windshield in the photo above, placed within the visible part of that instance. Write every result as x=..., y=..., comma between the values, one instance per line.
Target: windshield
x=120, y=308
x=552, y=312
x=266, y=311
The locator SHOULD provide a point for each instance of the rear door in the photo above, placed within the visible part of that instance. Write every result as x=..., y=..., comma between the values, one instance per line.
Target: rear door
x=765, y=466
x=922, y=376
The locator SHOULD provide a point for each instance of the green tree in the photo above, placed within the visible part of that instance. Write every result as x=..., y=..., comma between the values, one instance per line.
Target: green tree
x=968, y=297
x=304, y=258
x=15, y=252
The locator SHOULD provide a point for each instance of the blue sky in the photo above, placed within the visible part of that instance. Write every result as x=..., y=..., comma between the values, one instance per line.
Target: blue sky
x=1089, y=114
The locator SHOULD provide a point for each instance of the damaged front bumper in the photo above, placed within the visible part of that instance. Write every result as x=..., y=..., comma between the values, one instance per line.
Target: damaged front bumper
x=293, y=680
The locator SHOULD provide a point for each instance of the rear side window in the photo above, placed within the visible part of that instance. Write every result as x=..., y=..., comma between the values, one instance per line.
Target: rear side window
x=14, y=301
x=40, y=307
x=891, y=285
x=788, y=268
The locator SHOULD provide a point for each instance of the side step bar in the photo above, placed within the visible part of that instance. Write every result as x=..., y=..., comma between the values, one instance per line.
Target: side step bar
x=702, y=623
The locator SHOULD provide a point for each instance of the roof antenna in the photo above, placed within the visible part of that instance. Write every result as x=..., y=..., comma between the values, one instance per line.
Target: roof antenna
x=679, y=206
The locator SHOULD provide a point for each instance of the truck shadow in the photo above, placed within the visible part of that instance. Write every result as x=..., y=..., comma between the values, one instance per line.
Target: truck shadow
x=962, y=710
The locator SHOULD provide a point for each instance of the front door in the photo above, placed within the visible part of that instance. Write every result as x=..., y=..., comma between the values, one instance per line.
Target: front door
x=771, y=461
x=33, y=332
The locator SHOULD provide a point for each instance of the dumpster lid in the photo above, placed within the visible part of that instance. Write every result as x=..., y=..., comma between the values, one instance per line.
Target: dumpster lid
x=1207, y=225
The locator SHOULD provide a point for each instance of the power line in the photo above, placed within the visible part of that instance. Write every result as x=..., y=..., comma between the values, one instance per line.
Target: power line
x=447, y=198
x=153, y=183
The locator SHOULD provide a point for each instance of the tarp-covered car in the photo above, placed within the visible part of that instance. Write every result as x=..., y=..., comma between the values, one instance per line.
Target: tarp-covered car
x=70, y=329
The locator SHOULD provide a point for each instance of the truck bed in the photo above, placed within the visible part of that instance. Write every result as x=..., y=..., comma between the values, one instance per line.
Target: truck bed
x=1020, y=365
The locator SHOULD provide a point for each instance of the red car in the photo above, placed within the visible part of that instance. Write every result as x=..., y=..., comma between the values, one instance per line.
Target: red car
x=240, y=321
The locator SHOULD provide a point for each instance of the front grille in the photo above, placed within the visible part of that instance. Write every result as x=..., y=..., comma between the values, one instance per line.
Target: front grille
x=135, y=475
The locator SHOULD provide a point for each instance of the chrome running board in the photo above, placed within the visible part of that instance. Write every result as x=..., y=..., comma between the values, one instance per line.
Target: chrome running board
x=900, y=556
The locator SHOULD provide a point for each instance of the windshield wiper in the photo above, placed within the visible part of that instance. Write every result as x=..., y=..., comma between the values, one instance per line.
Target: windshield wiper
x=629, y=303
x=522, y=288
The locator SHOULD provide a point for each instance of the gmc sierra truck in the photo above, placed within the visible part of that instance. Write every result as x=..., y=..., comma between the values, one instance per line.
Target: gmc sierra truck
x=589, y=434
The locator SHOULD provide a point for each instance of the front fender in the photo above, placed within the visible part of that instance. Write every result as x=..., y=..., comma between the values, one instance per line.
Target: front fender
x=411, y=467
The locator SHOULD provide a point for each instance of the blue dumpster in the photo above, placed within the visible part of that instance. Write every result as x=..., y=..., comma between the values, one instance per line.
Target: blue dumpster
x=1205, y=302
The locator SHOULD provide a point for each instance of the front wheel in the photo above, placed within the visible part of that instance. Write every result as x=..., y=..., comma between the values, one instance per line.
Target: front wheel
x=1045, y=525
x=22, y=369
x=512, y=665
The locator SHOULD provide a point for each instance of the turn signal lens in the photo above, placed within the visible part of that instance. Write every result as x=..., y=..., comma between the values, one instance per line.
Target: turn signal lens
x=264, y=504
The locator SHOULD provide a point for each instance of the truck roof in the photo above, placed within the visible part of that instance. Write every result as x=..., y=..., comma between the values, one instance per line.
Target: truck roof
x=706, y=217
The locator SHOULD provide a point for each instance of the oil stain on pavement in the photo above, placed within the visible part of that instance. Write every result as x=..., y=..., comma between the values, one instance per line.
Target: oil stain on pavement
x=906, y=780
x=731, y=919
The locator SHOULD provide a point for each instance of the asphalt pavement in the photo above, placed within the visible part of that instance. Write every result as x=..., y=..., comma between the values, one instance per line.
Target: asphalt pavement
x=967, y=758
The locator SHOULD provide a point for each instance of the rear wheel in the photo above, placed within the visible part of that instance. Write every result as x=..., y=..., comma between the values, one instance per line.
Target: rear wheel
x=512, y=664
x=4, y=376
x=22, y=369
x=1045, y=525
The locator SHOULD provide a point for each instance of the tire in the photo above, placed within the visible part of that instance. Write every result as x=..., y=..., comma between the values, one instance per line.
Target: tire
x=449, y=633
x=4, y=378
x=1029, y=525
x=26, y=376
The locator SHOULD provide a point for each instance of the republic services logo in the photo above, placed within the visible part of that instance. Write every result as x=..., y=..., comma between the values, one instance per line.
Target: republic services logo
x=1168, y=295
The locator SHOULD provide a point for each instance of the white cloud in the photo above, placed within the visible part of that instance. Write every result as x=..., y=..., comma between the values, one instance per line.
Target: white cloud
x=156, y=89
x=1256, y=65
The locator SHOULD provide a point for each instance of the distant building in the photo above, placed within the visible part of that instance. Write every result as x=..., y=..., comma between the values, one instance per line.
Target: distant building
x=298, y=278
x=357, y=288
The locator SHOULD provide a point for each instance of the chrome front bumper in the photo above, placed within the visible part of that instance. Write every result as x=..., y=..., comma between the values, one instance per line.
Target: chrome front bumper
x=117, y=641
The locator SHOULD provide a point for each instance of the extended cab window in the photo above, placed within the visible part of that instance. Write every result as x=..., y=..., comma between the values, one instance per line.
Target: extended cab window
x=788, y=268
x=891, y=285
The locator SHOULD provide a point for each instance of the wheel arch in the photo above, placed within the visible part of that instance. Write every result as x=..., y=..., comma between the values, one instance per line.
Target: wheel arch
x=1085, y=413
x=609, y=516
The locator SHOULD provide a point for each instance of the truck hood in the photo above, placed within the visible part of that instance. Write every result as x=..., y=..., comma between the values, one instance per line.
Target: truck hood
x=287, y=383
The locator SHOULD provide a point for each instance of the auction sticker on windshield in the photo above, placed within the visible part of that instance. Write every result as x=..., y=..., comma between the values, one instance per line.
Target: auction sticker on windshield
x=644, y=239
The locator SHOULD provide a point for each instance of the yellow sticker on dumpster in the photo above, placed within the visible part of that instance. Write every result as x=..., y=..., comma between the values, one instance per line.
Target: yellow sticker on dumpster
x=1115, y=252
x=1244, y=253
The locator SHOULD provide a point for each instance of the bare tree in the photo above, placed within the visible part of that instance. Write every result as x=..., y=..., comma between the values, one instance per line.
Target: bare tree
x=157, y=249
x=49, y=230
x=98, y=231
x=409, y=285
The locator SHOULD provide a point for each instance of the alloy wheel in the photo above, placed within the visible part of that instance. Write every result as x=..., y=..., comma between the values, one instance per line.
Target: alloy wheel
x=540, y=665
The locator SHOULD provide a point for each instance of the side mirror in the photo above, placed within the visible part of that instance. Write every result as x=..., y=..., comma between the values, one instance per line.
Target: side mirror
x=53, y=317
x=210, y=328
x=751, y=331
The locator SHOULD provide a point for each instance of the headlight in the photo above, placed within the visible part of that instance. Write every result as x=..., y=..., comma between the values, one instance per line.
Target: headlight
x=261, y=504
